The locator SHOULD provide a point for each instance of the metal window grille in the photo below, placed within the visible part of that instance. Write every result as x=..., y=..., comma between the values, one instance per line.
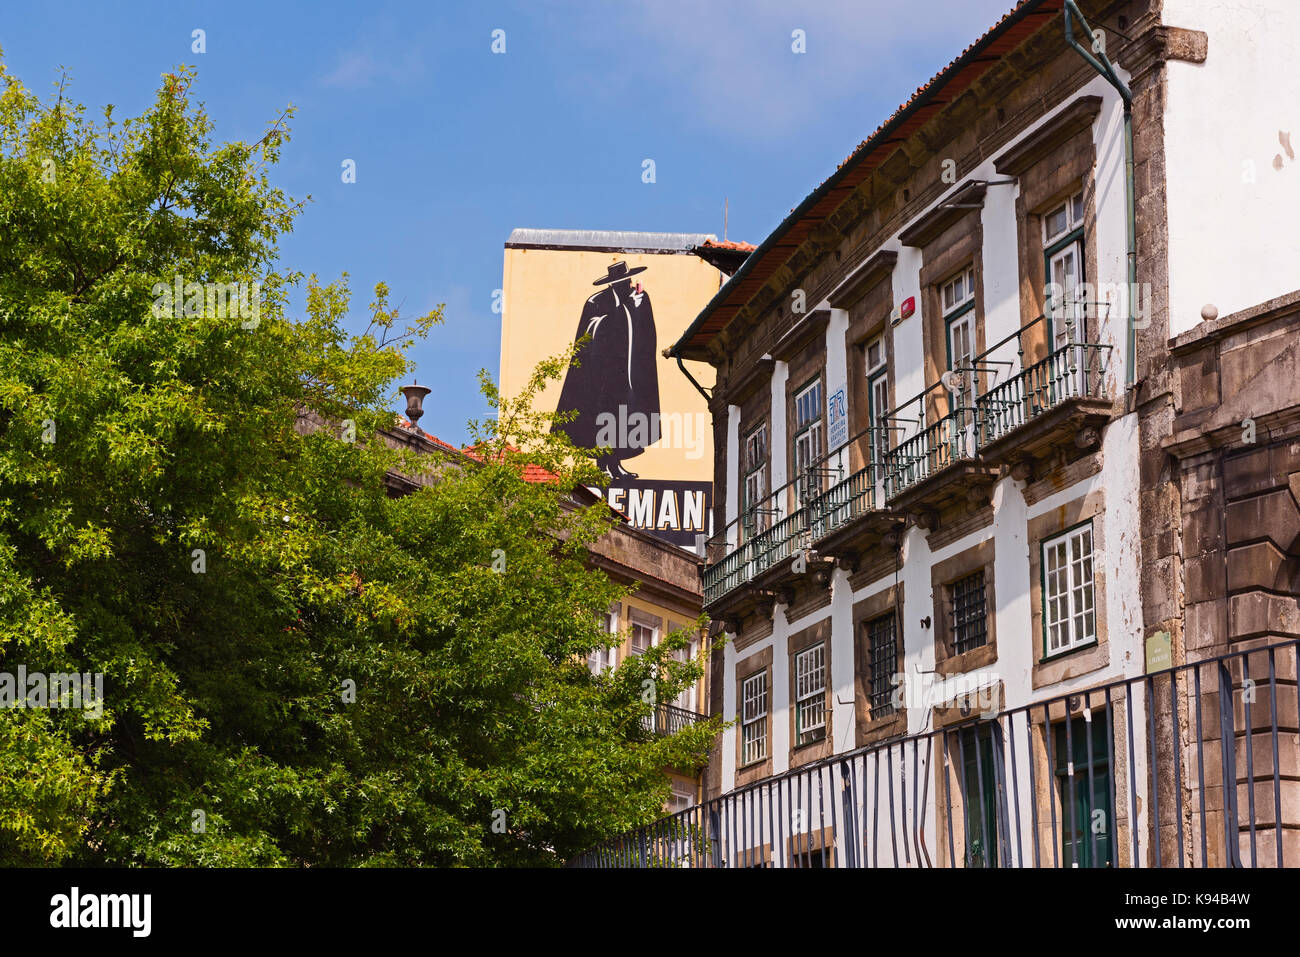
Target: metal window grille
x=969, y=613
x=1068, y=596
x=810, y=693
x=882, y=640
x=753, y=718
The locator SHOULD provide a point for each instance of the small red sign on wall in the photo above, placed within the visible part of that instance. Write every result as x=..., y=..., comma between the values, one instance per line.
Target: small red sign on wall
x=907, y=308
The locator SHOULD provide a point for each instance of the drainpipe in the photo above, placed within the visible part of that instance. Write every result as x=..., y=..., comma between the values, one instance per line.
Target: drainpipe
x=1107, y=69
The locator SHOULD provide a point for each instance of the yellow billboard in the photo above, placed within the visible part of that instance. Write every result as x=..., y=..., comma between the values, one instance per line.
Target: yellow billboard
x=632, y=294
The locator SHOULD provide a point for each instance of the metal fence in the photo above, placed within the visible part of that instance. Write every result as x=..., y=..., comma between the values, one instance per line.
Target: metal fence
x=1194, y=766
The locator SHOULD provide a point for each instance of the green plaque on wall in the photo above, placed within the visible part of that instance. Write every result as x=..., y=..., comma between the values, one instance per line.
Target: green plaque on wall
x=1159, y=652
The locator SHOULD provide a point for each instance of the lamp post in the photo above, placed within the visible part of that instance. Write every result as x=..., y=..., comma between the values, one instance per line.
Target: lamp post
x=415, y=402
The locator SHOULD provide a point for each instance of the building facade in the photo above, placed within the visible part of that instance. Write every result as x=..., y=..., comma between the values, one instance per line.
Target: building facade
x=1006, y=516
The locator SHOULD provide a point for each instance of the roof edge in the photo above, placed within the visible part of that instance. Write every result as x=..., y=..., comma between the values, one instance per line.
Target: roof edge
x=921, y=99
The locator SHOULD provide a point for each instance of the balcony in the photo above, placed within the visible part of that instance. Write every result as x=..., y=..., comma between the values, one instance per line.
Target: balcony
x=1023, y=413
x=1059, y=401
x=997, y=412
x=770, y=536
x=669, y=719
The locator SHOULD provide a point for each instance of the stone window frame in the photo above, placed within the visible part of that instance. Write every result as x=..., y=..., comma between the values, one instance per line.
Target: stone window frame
x=753, y=398
x=824, y=747
x=870, y=730
x=796, y=431
x=942, y=576
x=759, y=661
x=1051, y=164
x=869, y=305
x=960, y=246
x=1048, y=670
x=804, y=368
x=762, y=520
x=811, y=842
x=1042, y=720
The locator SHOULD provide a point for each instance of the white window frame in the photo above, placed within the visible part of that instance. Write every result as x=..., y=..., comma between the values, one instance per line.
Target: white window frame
x=809, y=439
x=638, y=619
x=878, y=396
x=753, y=718
x=810, y=693
x=1069, y=586
x=957, y=298
x=685, y=700
x=755, y=486
x=602, y=659
x=1071, y=306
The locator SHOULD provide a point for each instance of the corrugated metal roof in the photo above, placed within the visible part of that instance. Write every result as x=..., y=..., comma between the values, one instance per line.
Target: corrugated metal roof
x=621, y=240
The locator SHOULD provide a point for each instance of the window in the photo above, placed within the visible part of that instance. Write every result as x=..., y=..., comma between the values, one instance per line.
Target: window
x=810, y=694
x=645, y=632
x=1069, y=607
x=683, y=798
x=882, y=645
x=978, y=751
x=808, y=439
x=753, y=718
x=816, y=858
x=969, y=613
x=1063, y=252
x=958, y=298
x=603, y=658
x=1085, y=833
x=756, y=478
x=685, y=700
x=877, y=363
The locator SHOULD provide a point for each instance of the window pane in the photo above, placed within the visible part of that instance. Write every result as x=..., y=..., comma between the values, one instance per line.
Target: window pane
x=883, y=645
x=1056, y=223
x=970, y=625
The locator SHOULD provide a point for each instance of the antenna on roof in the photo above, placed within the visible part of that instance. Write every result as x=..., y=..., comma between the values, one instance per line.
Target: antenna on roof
x=725, y=204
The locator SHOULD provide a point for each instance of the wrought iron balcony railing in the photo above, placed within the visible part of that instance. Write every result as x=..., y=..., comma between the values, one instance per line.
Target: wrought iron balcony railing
x=1188, y=767
x=931, y=450
x=1074, y=371
x=669, y=719
x=1007, y=395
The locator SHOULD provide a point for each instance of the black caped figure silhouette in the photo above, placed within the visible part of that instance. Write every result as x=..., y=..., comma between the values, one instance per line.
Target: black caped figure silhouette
x=614, y=382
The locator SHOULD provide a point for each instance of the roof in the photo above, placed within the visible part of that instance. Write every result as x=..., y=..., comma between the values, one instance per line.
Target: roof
x=532, y=473
x=726, y=256
x=623, y=241
x=729, y=244
x=404, y=423
x=1021, y=22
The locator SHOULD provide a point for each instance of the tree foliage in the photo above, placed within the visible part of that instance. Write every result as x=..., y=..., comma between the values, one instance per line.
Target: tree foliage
x=168, y=522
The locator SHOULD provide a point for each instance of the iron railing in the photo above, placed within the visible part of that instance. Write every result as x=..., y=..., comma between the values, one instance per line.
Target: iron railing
x=1193, y=766
x=931, y=450
x=669, y=719
x=1073, y=371
x=1007, y=395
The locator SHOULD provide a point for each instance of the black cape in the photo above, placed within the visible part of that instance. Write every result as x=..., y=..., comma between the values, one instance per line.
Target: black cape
x=617, y=368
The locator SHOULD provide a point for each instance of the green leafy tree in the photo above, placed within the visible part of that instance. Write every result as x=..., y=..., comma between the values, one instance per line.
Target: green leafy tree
x=299, y=668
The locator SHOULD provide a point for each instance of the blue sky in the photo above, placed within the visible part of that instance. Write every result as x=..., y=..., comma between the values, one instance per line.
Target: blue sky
x=455, y=145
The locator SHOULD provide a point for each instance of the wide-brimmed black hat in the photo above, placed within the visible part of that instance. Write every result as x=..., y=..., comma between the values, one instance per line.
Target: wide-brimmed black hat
x=619, y=271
